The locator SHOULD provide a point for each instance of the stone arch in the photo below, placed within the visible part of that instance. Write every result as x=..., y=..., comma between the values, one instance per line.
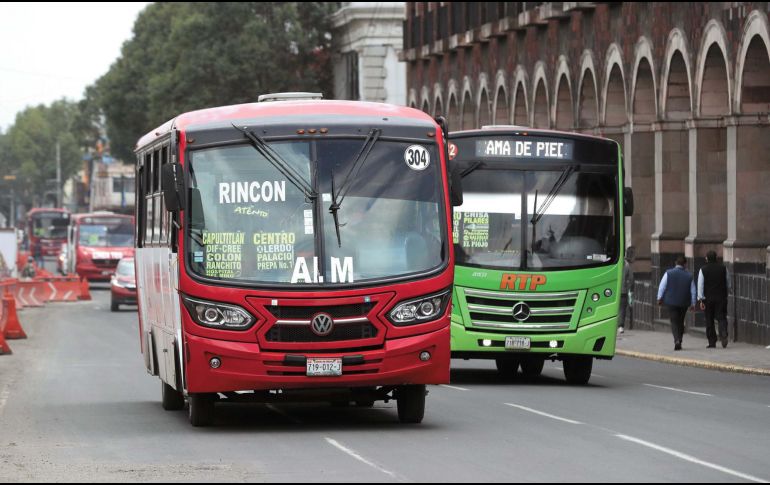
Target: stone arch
x=483, y=105
x=412, y=98
x=520, y=98
x=588, y=101
x=644, y=105
x=467, y=108
x=453, y=109
x=676, y=81
x=713, y=73
x=500, y=111
x=614, y=112
x=425, y=100
x=438, y=100
x=540, y=99
x=752, y=74
x=563, y=112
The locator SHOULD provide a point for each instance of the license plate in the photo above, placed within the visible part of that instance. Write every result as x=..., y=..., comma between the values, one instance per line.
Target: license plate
x=518, y=343
x=324, y=367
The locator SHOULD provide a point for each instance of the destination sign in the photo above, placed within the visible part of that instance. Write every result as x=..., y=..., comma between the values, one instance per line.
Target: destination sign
x=525, y=147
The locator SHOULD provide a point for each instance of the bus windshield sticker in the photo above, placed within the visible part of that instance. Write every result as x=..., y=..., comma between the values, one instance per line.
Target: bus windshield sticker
x=251, y=210
x=474, y=227
x=198, y=256
x=537, y=148
x=341, y=271
x=308, y=221
x=417, y=157
x=252, y=192
x=224, y=254
x=274, y=250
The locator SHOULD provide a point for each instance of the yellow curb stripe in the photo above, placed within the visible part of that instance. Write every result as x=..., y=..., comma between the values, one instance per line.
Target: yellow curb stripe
x=703, y=364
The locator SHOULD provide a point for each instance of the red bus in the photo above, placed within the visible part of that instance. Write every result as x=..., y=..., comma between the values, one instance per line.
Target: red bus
x=294, y=250
x=96, y=242
x=47, y=230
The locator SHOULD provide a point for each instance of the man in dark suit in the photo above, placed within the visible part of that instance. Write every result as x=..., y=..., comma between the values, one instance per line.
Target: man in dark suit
x=713, y=287
x=677, y=292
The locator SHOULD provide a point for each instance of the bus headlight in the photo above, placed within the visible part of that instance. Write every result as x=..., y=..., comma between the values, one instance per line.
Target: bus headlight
x=218, y=315
x=420, y=310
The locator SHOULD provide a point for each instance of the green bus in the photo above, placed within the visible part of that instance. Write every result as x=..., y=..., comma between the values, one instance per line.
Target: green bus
x=539, y=247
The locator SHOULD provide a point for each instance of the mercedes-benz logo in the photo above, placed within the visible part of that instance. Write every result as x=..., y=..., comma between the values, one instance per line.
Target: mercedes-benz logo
x=322, y=324
x=521, y=311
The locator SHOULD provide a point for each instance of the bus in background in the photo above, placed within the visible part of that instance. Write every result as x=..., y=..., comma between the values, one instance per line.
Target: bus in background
x=96, y=242
x=295, y=249
x=539, y=242
x=47, y=231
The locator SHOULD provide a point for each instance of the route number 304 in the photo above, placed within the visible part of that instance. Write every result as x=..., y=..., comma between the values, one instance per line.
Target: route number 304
x=417, y=157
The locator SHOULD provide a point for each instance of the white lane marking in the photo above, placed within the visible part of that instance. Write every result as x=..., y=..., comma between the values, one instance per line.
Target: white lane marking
x=540, y=413
x=4, y=395
x=454, y=387
x=360, y=458
x=679, y=390
x=283, y=413
x=691, y=459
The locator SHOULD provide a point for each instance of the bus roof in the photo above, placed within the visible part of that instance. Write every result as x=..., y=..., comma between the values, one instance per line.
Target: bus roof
x=78, y=217
x=38, y=210
x=486, y=130
x=254, y=111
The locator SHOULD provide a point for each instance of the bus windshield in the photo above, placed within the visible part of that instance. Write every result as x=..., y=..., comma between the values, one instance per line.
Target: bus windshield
x=106, y=233
x=575, y=227
x=248, y=223
x=50, y=225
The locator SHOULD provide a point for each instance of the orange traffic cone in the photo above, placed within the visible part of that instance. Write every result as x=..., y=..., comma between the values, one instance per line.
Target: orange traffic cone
x=13, y=330
x=85, y=293
x=4, y=348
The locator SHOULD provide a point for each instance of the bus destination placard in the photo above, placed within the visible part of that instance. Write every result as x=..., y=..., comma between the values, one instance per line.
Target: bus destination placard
x=525, y=147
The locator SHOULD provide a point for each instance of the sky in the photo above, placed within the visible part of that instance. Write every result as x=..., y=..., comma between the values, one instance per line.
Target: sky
x=53, y=50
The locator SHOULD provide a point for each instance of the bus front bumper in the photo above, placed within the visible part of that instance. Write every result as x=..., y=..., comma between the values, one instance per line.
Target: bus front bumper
x=596, y=339
x=245, y=367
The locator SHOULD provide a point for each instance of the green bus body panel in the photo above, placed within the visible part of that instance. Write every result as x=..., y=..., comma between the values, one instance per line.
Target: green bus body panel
x=585, y=328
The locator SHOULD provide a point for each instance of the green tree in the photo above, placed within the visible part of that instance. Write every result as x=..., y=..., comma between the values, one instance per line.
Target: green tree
x=188, y=56
x=31, y=148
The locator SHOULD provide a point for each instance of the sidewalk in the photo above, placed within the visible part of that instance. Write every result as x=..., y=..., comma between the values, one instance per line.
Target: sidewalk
x=659, y=346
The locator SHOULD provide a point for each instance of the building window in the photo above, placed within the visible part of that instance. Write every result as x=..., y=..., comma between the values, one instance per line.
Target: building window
x=351, y=76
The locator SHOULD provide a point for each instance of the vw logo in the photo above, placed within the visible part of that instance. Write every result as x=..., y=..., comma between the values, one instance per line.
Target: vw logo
x=521, y=311
x=322, y=324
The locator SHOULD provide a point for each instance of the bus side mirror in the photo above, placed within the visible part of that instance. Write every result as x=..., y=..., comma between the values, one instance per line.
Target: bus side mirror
x=172, y=184
x=628, y=202
x=456, y=187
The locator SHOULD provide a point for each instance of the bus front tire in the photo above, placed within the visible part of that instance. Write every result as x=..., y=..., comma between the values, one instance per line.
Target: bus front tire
x=410, y=401
x=532, y=367
x=201, y=410
x=171, y=399
x=507, y=367
x=577, y=369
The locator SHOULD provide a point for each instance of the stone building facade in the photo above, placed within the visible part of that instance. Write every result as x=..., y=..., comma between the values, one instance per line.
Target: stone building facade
x=367, y=38
x=683, y=87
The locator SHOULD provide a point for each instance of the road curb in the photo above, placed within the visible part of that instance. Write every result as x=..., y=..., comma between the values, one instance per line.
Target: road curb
x=703, y=364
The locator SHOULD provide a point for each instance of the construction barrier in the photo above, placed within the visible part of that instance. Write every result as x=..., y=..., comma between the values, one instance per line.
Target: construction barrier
x=12, y=327
x=5, y=349
x=85, y=292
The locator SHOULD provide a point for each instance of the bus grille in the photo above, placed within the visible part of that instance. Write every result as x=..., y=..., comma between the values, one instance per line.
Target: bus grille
x=297, y=333
x=493, y=310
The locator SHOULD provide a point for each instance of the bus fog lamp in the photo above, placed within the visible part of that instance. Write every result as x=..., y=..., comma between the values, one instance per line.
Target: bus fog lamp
x=486, y=343
x=595, y=297
x=553, y=344
x=215, y=363
x=425, y=356
x=608, y=292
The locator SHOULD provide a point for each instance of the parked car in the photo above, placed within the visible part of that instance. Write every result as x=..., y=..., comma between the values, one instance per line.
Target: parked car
x=123, y=285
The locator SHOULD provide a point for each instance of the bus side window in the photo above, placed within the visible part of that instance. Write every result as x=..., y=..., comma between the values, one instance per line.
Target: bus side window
x=164, y=216
x=156, y=196
x=140, y=203
x=148, y=199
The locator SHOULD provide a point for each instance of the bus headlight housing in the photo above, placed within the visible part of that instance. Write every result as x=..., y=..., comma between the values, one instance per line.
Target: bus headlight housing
x=420, y=310
x=218, y=315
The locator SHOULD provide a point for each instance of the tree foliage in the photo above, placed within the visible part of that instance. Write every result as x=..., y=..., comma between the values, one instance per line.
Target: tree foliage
x=30, y=148
x=188, y=56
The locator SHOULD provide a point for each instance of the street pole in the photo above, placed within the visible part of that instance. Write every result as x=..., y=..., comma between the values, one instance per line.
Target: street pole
x=13, y=206
x=58, y=176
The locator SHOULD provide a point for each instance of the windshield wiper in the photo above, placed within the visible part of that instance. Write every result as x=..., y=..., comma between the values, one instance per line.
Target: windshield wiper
x=472, y=168
x=557, y=186
x=352, y=174
x=279, y=163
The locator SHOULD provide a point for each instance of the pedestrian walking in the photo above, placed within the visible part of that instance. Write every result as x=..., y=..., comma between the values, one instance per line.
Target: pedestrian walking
x=713, y=287
x=626, y=289
x=677, y=292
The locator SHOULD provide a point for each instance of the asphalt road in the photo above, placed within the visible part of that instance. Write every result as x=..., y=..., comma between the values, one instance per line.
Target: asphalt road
x=77, y=405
